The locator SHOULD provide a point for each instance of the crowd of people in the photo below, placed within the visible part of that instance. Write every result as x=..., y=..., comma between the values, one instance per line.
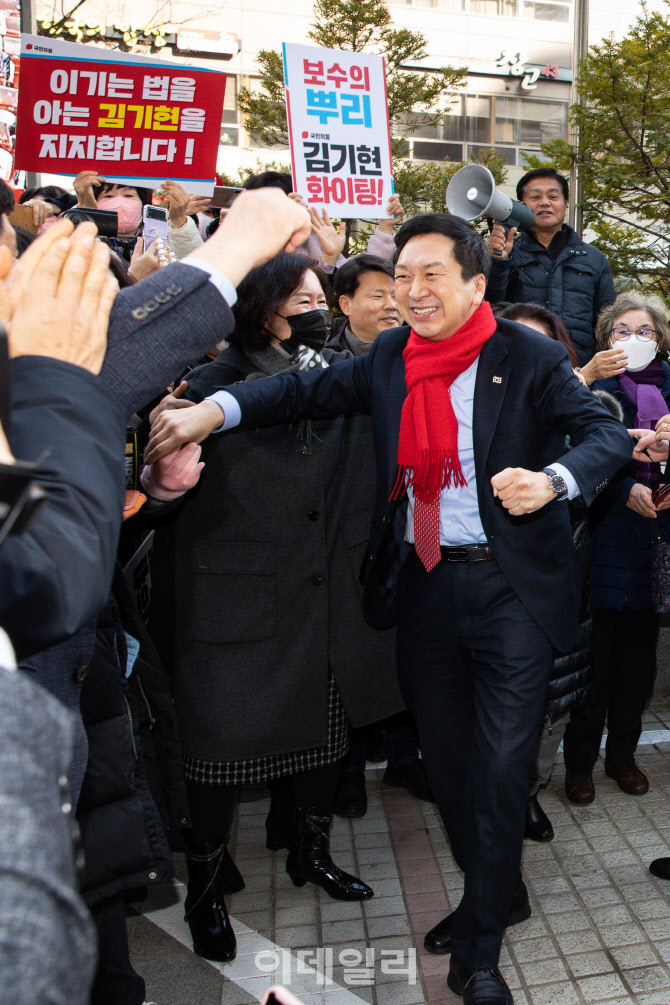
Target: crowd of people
x=407, y=506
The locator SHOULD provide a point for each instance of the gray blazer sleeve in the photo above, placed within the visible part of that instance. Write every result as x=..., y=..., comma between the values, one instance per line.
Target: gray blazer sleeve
x=159, y=326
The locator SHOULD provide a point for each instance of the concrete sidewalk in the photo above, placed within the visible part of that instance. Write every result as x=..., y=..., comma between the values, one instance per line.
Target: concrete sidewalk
x=600, y=930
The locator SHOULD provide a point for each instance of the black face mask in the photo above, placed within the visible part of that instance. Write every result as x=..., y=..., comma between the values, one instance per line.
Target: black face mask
x=310, y=329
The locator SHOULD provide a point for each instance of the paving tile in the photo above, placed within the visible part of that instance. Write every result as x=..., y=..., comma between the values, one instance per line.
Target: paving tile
x=621, y=935
x=304, y=914
x=531, y=950
x=342, y=931
x=431, y=883
x=632, y=957
x=595, y=989
x=571, y=921
x=544, y=972
x=421, y=902
x=396, y=925
x=578, y=942
x=553, y=994
x=585, y=964
x=342, y=910
x=383, y=907
x=649, y=979
x=399, y=994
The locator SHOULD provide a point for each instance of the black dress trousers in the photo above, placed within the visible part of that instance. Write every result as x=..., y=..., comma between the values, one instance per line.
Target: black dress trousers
x=623, y=668
x=474, y=668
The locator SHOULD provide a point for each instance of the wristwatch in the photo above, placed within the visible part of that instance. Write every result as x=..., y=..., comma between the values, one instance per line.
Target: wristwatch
x=556, y=483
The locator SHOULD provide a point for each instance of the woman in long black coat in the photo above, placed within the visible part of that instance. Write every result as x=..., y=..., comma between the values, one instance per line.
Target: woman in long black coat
x=272, y=658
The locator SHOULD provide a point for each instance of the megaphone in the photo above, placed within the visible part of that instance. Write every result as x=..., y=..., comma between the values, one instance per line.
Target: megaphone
x=472, y=192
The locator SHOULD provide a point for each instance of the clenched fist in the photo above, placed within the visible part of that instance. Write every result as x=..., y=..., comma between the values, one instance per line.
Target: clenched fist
x=521, y=491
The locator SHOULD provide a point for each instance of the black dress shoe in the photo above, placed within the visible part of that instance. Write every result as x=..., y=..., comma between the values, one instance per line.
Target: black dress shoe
x=484, y=986
x=438, y=939
x=411, y=776
x=538, y=824
x=660, y=867
x=351, y=799
x=309, y=859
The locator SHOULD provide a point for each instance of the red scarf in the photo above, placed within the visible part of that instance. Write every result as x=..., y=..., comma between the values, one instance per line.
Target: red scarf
x=428, y=447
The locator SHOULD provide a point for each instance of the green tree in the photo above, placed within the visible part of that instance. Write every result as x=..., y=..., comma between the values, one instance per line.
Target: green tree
x=623, y=152
x=415, y=99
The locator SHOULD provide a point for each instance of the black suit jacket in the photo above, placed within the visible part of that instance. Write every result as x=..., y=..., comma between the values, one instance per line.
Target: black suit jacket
x=527, y=403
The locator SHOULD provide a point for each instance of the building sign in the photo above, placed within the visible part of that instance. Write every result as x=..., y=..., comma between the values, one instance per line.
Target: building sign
x=515, y=64
x=339, y=130
x=221, y=44
x=217, y=43
x=133, y=119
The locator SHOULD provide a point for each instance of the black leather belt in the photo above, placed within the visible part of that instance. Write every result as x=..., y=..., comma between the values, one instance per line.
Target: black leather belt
x=467, y=553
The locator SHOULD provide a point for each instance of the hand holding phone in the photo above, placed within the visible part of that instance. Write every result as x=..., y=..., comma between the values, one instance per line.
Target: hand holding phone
x=155, y=225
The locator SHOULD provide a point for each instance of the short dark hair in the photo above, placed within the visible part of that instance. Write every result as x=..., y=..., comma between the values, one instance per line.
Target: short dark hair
x=270, y=179
x=145, y=194
x=348, y=276
x=262, y=291
x=24, y=238
x=541, y=173
x=7, y=199
x=536, y=312
x=469, y=249
x=46, y=192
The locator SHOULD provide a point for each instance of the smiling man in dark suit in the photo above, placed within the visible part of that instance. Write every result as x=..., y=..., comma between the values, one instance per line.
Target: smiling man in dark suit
x=470, y=547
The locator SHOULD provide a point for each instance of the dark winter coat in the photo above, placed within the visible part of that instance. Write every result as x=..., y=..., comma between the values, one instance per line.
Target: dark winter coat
x=133, y=795
x=621, y=540
x=268, y=551
x=576, y=285
x=571, y=671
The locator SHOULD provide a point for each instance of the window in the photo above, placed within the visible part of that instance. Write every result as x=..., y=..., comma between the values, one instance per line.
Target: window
x=547, y=12
x=230, y=100
x=423, y=151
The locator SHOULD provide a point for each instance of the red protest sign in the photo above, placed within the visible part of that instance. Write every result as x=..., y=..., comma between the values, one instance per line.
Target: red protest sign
x=130, y=118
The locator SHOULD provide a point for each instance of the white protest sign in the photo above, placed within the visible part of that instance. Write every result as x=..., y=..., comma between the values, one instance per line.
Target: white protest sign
x=339, y=130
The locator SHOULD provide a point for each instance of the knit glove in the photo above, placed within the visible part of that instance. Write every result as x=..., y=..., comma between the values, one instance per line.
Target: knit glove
x=173, y=475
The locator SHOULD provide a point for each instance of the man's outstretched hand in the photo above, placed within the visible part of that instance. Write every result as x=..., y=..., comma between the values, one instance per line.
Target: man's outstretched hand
x=176, y=426
x=521, y=491
x=257, y=226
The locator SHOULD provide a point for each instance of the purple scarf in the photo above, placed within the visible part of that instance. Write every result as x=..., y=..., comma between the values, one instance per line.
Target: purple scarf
x=643, y=389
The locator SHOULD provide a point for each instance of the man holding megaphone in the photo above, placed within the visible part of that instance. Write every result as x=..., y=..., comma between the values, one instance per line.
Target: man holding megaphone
x=550, y=265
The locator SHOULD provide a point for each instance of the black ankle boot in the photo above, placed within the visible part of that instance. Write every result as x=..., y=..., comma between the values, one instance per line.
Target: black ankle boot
x=209, y=874
x=309, y=859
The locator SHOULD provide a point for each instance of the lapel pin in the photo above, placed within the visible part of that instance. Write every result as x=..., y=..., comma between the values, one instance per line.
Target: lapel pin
x=497, y=380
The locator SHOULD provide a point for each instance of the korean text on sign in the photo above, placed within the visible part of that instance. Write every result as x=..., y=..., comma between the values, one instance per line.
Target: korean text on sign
x=338, y=123
x=81, y=107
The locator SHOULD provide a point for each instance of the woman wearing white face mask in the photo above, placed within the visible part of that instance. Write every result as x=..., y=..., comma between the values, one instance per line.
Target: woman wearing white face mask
x=623, y=519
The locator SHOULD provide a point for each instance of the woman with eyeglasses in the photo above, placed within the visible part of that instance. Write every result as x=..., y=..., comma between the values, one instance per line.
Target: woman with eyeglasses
x=623, y=519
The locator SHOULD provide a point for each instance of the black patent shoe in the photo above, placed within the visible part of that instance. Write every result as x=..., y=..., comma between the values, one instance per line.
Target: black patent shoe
x=309, y=860
x=351, y=799
x=484, y=986
x=660, y=867
x=538, y=824
x=205, y=906
x=438, y=939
